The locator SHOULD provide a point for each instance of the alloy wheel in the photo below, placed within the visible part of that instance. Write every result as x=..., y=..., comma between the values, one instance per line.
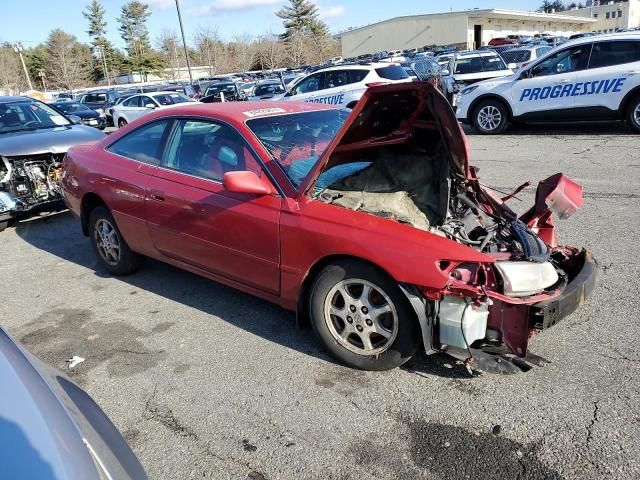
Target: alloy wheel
x=489, y=117
x=361, y=317
x=107, y=241
x=636, y=115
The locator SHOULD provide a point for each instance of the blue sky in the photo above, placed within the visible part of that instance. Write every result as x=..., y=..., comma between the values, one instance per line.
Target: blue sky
x=230, y=17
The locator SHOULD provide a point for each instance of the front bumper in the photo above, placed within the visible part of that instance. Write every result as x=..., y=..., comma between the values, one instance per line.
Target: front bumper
x=548, y=313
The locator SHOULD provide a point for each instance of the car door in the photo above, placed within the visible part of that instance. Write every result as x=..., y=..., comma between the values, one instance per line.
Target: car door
x=337, y=88
x=308, y=90
x=543, y=91
x=613, y=71
x=132, y=159
x=128, y=109
x=193, y=219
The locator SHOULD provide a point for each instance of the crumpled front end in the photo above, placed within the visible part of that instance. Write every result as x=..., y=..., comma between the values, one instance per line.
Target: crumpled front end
x=488, y=312
x=29, y=182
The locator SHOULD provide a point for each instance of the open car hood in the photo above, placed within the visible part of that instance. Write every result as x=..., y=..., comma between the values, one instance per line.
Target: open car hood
x=386, y=114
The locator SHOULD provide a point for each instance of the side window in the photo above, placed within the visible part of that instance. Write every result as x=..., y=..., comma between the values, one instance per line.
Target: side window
x=144, y=144
x=564, y=61
x=132, y=102
x=356, y=76
x=145, y=100
x=541, y=51
x=608, y=54
x=309, y=85
x=336, y=79
x=208, y=150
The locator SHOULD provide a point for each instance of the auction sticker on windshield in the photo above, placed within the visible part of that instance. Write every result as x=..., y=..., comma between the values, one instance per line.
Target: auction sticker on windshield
x=263, y=111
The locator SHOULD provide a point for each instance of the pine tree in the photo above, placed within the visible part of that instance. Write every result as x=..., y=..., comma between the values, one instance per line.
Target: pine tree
x=301, y=16
x=133, y=30
x=97, y=30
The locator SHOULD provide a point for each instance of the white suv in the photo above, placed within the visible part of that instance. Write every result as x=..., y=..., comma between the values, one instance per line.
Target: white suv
x=466, y=68
x=345, y=84
x=588, y=79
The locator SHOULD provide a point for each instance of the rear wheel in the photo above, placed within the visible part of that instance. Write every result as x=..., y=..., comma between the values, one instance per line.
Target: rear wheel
x=121, y=122
x=490, y=117
x=362, y=318
x=633, y=114
x=108, y=243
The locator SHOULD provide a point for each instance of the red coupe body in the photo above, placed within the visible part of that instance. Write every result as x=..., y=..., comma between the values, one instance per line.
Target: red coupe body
x=268, y=231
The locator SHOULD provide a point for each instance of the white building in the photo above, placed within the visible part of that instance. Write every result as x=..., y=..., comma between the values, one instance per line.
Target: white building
x=467, y=29
x=609, y=16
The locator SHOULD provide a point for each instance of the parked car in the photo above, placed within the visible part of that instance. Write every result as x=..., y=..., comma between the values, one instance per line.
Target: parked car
x=247, y=88
x=223, y=92
x=372, y=225
x=268, y=90
x=498, y=42
x=591, y=78
x=344, y=85
x=99, y=100
x=136, y=106
x=33, y=140
x=186, y=90
x=88, y=117
x=51, y=429
x=516, y=58
x=335, y=61
x=467, y=68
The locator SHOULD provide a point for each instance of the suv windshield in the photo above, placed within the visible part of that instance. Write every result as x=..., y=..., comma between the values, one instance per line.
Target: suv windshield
x=223, y=87
x=478, y=64
x=268, y=89
x=516, y=56
x=392, y=72
x=95, y=98
x=298, y=140
x=29, y=115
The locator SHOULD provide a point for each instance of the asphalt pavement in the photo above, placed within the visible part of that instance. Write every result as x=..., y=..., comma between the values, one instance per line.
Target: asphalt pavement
x=208, y=382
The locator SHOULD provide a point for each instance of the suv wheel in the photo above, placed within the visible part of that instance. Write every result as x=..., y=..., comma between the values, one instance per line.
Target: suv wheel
x=121, y=122
x=362, y=317
x=633, y=114
x=108, y=243
x=490, y=117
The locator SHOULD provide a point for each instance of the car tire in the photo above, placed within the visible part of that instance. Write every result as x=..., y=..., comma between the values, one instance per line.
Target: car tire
x=121, y=122
x=342, y=302
x=633, y=114
x=110, y=246
x=490, y=117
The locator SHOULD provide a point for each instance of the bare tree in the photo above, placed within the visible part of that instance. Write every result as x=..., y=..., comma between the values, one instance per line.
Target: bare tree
x=210, y=49
x=244, y=51
x=170, y=46
x=270, y=52
x=12, y=78
x=297, y=48
x=69, y=63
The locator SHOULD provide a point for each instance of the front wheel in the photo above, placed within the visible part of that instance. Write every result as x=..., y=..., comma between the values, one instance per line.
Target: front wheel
x=362, y=318
x=121, y=122
x=490, y=117
x=633, y=114
x=108, y=243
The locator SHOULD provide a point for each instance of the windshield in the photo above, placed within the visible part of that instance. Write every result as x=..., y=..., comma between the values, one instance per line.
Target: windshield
x=170, y=98
x=516, y=56
x=95, y=98
x=269, y=89
x=226, y=88
x=68, y=107
x=479, y=64
x=297, y=141
x=29, y=115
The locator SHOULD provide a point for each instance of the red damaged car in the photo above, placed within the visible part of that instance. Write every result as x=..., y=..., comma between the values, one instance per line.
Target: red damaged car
x=370, y=223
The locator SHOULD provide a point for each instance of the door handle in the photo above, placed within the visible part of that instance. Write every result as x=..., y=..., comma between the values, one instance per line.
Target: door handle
x=560, y=82
x=157, y=196
x=632, y=72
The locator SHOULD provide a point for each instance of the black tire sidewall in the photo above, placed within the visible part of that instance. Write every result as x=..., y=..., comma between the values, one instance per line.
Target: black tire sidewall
x=407, y=339
x=121, y=122
x=630, y=117
x=503, y=111
x=129, y=260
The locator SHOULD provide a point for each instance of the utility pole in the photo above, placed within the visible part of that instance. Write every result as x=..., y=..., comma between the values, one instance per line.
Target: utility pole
x=104, y=65
x=184, y=42
x=18, y=49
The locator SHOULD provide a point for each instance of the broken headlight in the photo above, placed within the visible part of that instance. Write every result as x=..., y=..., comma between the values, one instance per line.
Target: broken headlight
x=521, y=279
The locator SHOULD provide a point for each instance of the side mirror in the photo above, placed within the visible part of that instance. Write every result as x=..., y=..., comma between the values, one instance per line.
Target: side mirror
x=246, y=182
x=513, y=66
x=150, y=105
x=75, y=119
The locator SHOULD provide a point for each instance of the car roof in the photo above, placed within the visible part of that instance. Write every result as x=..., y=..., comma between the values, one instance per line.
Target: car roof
x=13, y=98
x=477, y=53
x=603, y=37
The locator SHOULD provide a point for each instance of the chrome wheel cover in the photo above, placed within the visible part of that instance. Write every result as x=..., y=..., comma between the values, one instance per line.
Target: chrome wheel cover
x=361, y=317
x=107, y=241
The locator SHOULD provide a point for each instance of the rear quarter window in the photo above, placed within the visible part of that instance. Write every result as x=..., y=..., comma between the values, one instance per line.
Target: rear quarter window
x=392, y=72
x=608, y=54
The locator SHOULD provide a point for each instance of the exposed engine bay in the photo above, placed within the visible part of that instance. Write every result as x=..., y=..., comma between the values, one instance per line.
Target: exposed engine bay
x=30, y=181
